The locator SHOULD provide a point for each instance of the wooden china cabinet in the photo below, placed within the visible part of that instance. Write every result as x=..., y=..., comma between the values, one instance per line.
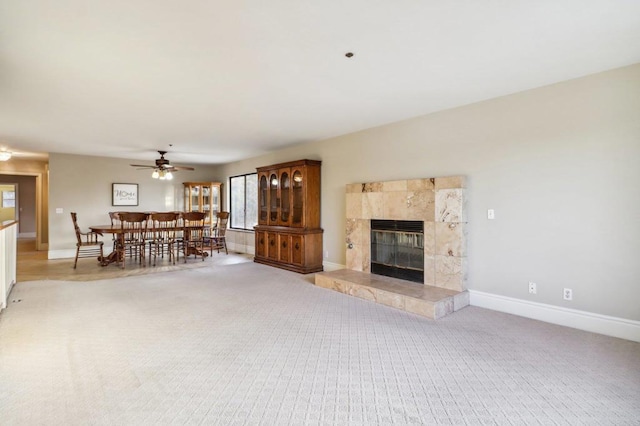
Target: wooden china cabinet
x=288, y=234
x=202, y=197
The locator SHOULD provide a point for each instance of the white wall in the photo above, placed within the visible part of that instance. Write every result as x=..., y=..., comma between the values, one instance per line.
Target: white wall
x=83, y=184
x=559, y=165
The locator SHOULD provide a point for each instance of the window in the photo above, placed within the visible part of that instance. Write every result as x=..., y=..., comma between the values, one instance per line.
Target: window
x=9, y=198
x=244, y=201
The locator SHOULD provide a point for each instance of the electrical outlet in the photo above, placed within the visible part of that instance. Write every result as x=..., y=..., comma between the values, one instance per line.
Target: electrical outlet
x=326, y=254
x=568, y=294
x=533, y=288
x=491, y=214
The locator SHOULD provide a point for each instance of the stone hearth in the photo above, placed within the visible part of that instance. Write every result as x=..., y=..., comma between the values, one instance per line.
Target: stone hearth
x=428, y=301
x=441, y=204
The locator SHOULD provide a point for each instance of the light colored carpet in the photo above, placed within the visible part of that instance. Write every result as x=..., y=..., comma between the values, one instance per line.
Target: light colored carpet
x=247, y=344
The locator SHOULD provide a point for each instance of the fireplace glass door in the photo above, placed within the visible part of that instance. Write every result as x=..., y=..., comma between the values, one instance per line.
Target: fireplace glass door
x=397, y=250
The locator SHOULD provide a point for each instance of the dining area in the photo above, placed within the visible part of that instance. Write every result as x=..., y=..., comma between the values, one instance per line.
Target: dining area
x=151, y=239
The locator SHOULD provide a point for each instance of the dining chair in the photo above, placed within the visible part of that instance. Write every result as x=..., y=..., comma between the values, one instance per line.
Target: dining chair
x=220, y=231
x=115, y=222
x=179, y=234
x=194, y=234
x=163, y=235
x=87, y=243
x=132, y=237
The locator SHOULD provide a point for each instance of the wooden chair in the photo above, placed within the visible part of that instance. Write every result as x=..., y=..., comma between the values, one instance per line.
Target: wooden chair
x=115, y=218
x=179, y=234
x=87, y=244
x=132, y=237
x=163, y=235
x=115, y=222
x=219, y=239
x=194, y=234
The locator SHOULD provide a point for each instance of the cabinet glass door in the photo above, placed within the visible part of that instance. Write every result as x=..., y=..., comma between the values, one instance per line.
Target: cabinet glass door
x=187, y=198
x=206, y=198
x=273, y=199
x=297, y=199
x=263, y=199
x=215, y=199
x=195, y=198
x=285, y=201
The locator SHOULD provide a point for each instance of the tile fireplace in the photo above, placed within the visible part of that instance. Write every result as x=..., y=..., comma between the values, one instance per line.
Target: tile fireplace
x=433, y=249
x=439, y=203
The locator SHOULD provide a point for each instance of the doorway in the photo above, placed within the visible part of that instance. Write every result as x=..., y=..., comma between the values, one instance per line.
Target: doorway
x=28, y=205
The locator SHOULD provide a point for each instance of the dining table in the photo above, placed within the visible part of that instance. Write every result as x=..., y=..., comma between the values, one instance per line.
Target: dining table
x=119, y=232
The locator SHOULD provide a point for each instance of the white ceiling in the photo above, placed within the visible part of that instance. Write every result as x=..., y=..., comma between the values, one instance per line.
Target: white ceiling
x=225, y=80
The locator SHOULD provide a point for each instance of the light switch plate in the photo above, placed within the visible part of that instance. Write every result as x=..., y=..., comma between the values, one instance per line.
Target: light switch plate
x=59, y=210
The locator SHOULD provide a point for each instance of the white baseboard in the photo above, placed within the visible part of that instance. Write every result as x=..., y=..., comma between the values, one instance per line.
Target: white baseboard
x=582, y=320
x=27, y=235
x=61, y=254
x=330, y=266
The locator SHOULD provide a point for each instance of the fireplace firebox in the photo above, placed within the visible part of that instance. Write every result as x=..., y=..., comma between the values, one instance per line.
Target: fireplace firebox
x=397, y=249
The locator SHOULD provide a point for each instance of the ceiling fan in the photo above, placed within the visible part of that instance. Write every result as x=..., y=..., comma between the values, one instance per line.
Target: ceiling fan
x=163, y=168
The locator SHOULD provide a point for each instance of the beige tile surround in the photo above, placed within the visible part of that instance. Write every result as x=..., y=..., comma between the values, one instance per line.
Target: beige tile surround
x=441, y=204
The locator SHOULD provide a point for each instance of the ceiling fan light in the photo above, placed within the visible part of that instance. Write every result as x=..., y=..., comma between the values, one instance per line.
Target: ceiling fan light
x=155, y=174
x=169, y=176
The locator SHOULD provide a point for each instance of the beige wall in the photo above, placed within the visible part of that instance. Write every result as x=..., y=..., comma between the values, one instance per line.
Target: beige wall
x=83, y=184
x=558, y=164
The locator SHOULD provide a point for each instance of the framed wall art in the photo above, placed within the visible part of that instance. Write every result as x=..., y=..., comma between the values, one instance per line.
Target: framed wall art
x=124, y=194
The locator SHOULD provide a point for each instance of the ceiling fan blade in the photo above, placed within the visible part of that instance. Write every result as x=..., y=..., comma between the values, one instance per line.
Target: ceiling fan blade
x=169, y=167
x=162, y=164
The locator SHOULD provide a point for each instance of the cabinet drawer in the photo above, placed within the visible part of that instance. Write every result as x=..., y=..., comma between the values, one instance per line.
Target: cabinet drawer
x=284, y=243
x=297, y=249
x=272, y=245
x=261, y=244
